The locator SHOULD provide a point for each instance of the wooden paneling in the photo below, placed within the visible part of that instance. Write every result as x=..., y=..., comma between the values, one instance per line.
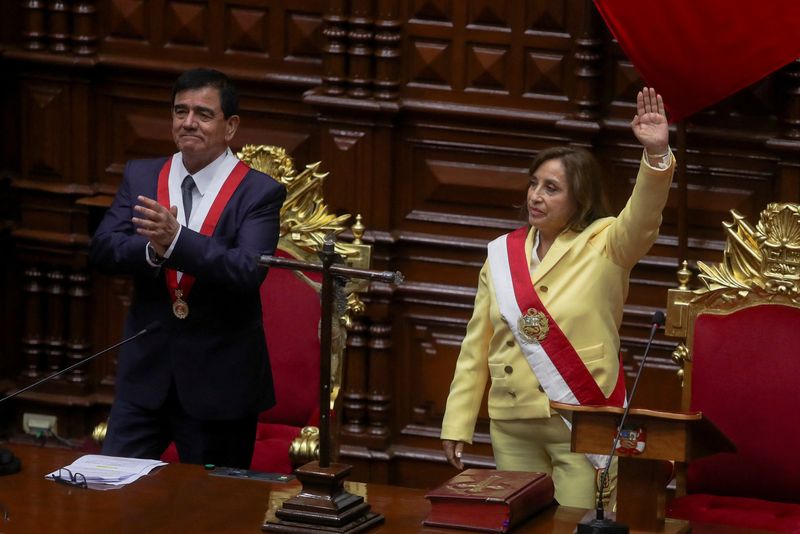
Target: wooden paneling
x=513, y=51
x=282, y=40
x=426, y=113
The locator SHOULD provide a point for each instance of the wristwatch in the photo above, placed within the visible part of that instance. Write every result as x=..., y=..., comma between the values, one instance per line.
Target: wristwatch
x=153, y=256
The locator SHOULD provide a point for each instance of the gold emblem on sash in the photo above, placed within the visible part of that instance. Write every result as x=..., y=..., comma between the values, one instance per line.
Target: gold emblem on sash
x=180, y=308
x=533, y=326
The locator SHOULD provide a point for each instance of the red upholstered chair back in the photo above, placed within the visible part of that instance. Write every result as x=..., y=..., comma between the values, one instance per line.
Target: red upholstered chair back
x=741, y=368
x=746, y=379
x=291, y=309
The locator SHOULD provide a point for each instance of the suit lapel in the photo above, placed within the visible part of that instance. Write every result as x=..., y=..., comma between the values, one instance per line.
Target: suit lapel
x=557, y=250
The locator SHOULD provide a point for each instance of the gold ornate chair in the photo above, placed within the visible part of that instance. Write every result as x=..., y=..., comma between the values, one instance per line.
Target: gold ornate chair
x=741, y=368
x=286, y=435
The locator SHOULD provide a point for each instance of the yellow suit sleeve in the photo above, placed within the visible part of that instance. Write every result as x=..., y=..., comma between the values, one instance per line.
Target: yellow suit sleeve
x=635, y=230
x=472, y=369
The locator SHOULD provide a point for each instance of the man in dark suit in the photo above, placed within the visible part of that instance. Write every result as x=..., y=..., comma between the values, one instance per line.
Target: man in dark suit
x=189, y=228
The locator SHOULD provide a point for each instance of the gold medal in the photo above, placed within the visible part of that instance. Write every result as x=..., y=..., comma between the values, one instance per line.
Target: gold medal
x=533, y=326
x=180, y=308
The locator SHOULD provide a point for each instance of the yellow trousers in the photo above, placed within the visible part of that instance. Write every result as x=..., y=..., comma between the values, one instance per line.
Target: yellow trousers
x=542, y=445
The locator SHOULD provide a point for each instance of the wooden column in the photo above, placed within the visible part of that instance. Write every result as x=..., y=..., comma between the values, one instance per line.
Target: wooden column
x=77, y=346
x=84, y=28
x=359, y=51
x=387, y=51
x=32, y=339
x=587, y=74
x=334, y=61
x=58, y=23
x=354, y=406
x=56, y=315
x=588, y=68
x=379, y=396
x=33, y=35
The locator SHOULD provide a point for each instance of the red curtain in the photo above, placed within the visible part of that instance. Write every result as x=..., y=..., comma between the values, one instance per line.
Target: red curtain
x=698, y=52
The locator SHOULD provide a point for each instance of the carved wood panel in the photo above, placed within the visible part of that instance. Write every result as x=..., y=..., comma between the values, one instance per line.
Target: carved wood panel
x=46, y=107
x=514, y=51
x=281, y=38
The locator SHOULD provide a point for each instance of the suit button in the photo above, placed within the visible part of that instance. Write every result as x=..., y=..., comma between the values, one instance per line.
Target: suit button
x=510, y=343
x=541, y=389
x=543, y=289
x=508, y=369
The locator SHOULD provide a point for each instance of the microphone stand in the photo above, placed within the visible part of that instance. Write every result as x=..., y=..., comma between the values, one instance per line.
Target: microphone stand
x=149, y=328
x=11, y=464
x=323, y=502
x=600, y=524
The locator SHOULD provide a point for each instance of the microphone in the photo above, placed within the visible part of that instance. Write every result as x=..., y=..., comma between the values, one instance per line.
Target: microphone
x=152, y=327
x=601, y=525
x=9, y=463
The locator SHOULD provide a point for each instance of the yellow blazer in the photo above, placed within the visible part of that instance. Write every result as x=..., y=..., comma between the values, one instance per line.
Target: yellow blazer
x=583, y=283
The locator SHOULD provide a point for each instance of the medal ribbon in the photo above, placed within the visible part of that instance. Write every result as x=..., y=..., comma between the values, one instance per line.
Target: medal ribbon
x=555, y=346
x=225, y=193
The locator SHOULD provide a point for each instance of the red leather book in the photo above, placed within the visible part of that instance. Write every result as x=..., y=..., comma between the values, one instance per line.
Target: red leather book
x=489, y=501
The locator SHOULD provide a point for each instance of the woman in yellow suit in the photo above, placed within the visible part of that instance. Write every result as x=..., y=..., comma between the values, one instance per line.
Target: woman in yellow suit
x=549, y=306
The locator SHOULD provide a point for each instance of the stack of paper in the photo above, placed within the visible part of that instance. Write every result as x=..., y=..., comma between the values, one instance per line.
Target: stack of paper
x=107, y=472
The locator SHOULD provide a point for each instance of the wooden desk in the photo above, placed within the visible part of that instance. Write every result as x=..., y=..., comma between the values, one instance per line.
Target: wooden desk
x=185, y=498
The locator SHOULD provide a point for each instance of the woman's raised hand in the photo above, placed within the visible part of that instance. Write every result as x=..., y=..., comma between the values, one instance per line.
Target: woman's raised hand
x=649, y=125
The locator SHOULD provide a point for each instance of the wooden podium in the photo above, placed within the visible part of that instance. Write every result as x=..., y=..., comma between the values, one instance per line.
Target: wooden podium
x=653, y=437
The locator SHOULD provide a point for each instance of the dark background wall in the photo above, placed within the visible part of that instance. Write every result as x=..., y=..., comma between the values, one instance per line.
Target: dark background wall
x=426, y=113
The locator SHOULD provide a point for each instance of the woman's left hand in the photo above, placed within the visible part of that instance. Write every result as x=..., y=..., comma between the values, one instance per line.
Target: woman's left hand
x=649, y=125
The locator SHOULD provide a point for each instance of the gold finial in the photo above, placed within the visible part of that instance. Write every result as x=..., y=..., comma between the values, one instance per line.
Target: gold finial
x=358, y=230
x=681, y=355
x=684, y=275
x=305, y=447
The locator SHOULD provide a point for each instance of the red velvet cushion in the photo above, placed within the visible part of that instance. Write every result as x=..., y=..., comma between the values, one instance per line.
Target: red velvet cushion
x=271, y=452
x=737, y=511
x=291, y=322
x=746, y=379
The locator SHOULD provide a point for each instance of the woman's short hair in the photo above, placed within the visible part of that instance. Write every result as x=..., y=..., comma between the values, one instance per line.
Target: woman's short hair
x=585, y=177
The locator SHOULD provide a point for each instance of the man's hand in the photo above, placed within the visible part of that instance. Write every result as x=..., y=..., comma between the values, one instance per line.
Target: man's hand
x=156, y=223
x=452, y=451
x=649, y=125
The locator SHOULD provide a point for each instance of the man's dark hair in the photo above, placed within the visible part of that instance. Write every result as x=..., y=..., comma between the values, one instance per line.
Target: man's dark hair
x=202, y=77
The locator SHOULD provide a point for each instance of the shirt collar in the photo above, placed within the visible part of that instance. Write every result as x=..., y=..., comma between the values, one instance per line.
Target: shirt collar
x=535, y=261
x=204, y=177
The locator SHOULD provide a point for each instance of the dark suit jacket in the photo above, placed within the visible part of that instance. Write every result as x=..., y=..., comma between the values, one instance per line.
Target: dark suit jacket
x=217, y=356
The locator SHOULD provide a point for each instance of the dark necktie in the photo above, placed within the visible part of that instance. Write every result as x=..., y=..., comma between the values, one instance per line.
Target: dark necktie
x=186, y=187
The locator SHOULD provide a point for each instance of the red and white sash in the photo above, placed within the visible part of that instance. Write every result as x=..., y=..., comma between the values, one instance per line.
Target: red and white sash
x=556, y=364
x=209, y=211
